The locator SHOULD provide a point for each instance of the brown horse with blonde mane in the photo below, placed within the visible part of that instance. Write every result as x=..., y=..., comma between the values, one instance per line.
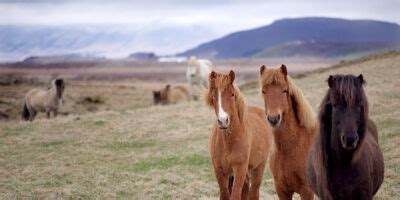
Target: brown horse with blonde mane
x=294, y=125
x=240, y=139
x=345, y=161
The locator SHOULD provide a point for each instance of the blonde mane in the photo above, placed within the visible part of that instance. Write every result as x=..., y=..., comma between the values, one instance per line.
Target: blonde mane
x=221, y=82
x=304, y=112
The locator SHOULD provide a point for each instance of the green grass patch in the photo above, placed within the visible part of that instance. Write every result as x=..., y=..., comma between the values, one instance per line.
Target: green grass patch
x=194, y=160
x=15, y=131
x=99, y=123
x=388, y=123
x=120, y=145
x=53, y=143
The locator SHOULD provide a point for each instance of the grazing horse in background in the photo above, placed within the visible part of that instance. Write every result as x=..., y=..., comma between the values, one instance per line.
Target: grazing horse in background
x=170, y=95
x=240, y=139
x=197, y=74
x=345, y=161
x=37, y=100
x=294, y=126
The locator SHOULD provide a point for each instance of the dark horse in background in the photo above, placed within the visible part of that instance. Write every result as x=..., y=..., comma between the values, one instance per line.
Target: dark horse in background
x=345, y=161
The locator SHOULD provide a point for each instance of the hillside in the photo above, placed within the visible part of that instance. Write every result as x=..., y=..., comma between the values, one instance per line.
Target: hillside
x=160, y=152
x=335, y=37
x=100, y=40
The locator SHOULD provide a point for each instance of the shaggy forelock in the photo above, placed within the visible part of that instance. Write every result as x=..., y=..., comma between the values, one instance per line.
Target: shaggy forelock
x=347, y=89
x=272, y=76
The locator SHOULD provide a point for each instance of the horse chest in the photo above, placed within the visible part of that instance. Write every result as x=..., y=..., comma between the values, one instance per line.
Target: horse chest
x=350, y=184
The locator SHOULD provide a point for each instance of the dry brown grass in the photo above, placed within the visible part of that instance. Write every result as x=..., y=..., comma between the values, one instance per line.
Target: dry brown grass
x=160, y=152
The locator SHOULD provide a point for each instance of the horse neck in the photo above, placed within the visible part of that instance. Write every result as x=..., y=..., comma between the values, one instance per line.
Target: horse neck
x=52, y=93
x=340, y=158
x=235, y=130
x=288, y=134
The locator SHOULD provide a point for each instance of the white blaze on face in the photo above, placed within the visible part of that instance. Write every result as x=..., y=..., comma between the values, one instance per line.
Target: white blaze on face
x=222, y=116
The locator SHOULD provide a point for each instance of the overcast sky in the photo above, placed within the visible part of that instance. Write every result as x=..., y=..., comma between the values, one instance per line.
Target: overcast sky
x=161, y=26
x=223, y=14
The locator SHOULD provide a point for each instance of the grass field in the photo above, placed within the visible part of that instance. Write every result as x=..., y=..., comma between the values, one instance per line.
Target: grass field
x=160, y=152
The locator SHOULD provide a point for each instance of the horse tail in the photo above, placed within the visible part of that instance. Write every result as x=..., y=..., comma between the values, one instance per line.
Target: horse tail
x=25, y=112
x=230, y=184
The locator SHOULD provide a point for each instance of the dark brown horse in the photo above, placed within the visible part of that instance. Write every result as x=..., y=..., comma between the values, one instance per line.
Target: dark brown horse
x=345, y=161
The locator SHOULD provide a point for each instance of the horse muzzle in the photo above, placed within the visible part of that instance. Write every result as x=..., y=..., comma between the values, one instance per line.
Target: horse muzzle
x=223, y=123
x=274, y=121
x=350, y=142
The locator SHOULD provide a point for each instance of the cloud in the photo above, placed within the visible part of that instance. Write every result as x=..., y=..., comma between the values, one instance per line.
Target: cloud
x=237, y=14
x=215, y=18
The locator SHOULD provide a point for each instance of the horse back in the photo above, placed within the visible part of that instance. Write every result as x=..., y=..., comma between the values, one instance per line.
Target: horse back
x=35, y=97
x=178, y=93
x=182, y=89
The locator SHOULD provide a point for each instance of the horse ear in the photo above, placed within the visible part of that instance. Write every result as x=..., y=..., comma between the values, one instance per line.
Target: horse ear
x=361, y=79
x=167, y=87
x=232, y=76
x=331, y=81
x=262, y=69
x=284, y=69
x=212, y=75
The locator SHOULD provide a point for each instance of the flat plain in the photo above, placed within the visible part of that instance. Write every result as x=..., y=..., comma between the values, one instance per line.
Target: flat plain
x=110, y=142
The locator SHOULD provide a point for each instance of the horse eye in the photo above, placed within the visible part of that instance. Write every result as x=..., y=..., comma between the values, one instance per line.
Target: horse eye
x=285, y=91
x=263, y=91
x=233, y=94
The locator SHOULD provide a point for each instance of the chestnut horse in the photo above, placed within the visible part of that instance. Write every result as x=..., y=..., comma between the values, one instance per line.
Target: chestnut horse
x=345, y=161
x=294, y=125
x=240, y=139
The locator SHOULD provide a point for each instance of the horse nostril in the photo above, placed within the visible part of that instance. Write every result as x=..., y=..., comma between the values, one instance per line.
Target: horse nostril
x=342, y=138
x=219, y=121
x=273, y=120
x=269, y=118
x=356, y=138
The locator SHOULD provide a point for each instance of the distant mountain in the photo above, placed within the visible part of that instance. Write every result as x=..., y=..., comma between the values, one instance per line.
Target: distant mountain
x=61, y=58
x=313, y=36
x=18, y=42
x=143, y=56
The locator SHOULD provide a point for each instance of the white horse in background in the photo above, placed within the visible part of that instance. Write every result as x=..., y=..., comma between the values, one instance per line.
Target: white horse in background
x=197, y=75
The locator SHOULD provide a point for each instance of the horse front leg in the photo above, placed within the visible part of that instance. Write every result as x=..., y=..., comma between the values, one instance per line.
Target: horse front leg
x=239, y=174
x=245, y=189
x=306, y=193
x=32, y=115
x=222, y=180
x=256, y=180
x=283, y=192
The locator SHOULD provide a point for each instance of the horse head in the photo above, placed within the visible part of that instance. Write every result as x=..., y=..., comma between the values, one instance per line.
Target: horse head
x=156, y=97
x=275, y=92
x=348, y=111
x=60, y=86
x=161, y=96
x=226, y=100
